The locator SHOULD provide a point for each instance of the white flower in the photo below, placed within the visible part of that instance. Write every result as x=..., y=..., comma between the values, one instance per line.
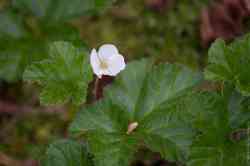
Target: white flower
x=107, y=61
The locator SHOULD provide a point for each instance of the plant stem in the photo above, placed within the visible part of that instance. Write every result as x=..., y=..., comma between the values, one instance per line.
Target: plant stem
x=96, y=88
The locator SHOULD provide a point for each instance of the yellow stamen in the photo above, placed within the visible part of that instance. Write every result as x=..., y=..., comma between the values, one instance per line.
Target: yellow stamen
x=103, y=65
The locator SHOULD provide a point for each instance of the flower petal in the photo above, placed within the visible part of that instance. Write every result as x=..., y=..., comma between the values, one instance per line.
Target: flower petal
x=116, y=64
x=107, y=50
x=95, y=62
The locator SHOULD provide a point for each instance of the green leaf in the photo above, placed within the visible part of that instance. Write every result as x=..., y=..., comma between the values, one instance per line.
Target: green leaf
x=113, y=149
x=231, y=63
x=105, y=125
x=215, y=144
x=55, y=10
x=64, y=75
x=151, y=96
x=66, y=153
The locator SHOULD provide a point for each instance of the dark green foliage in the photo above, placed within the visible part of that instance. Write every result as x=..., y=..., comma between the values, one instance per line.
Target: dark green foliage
x=60, y=10
x=17, y=53
x=151, y=96
x=27, y=26
x=19, y=48
x=11, y=25
x=183, y=123
x=174, y=118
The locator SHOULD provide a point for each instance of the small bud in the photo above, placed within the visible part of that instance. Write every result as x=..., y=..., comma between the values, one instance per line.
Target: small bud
x=132, y=127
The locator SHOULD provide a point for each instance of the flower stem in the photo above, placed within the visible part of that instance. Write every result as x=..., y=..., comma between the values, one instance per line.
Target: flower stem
x=96, y=88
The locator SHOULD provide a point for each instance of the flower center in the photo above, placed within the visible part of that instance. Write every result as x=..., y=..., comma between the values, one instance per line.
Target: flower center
x=103, y=65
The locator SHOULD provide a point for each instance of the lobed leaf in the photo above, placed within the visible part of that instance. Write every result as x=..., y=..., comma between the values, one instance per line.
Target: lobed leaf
x=65, y=153
x=64, y=75
x=230, y=63
x=215, y=144
x=152, y=97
